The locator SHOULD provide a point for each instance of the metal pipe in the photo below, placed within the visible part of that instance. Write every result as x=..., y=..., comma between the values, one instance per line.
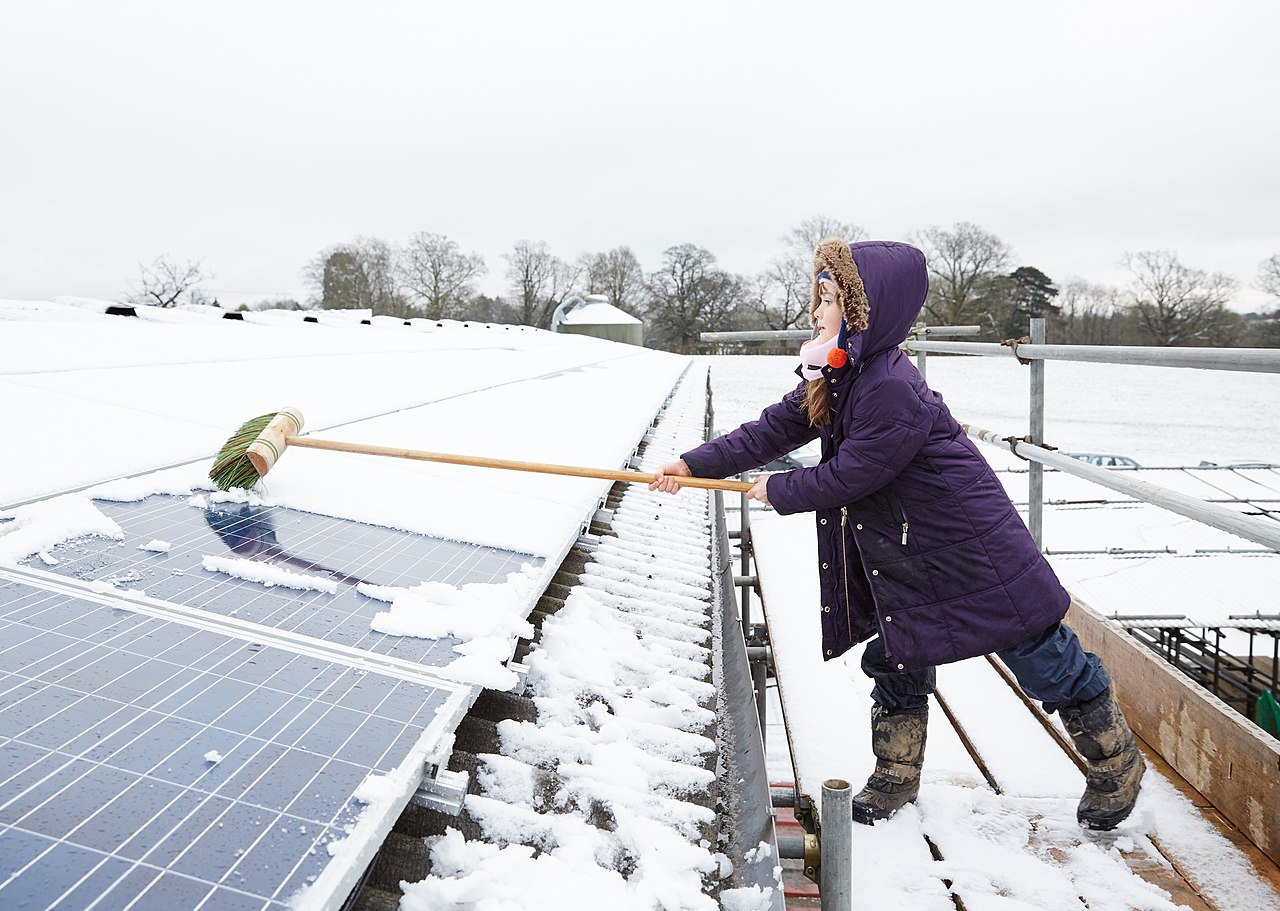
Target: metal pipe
x=758, y=335
x=803, y=335
x=1253, y=360
x=1265, y=533
x=947, y=331
x=1035, y=478
x=782, y=797
x=744, y=548
x=791, y=847
x=919, y=330
x=759, y=683
x=836, y=836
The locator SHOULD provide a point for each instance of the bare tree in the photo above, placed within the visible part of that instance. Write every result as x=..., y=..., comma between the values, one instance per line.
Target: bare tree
x=617, y=275
x=781, y=294
x=165, y=283
x=801, y=239
x=688, y=295
x=779, y=297
x=1088, y=313
x=1269, y=276
x=539, y=281
x=1175, y=304
x=437, y=276
x=966, y=264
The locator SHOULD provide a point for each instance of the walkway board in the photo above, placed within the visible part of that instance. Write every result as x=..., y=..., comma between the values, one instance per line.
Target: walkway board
x=997, y=806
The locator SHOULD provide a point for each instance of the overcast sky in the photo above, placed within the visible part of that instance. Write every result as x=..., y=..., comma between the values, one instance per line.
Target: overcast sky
x=252, y=135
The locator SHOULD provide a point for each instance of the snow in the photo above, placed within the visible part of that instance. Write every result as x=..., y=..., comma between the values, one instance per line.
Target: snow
x=993, y=856
x=989, y=845
x=158, y=395
x=621, y=732
x=253, y=571
x=598, y=313
x=622, y=707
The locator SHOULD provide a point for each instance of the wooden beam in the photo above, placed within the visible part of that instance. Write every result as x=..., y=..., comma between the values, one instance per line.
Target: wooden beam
x=1228, y=759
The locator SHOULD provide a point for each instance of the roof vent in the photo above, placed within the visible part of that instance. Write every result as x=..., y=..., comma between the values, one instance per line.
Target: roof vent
x=233, y=314
x=310, y=319
x=366, y=322
x=121, y=310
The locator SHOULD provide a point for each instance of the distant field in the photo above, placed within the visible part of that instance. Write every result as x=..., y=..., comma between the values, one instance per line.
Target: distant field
x=1156, y=415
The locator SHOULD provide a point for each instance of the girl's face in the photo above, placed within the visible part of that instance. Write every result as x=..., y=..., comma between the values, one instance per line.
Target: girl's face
x=827, y=317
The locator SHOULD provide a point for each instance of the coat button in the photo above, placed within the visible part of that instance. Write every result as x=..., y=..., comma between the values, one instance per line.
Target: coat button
x=875, y=572
x=826, y=609
x=835, y=395
x=824, y=522
x=829, y=655
x=824, y=566
x=888, y=619
x=899, y=667
x=859, y=526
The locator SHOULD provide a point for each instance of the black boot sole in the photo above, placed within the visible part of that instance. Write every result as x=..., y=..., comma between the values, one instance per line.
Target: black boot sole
x=1104, y=823
x=868, y=816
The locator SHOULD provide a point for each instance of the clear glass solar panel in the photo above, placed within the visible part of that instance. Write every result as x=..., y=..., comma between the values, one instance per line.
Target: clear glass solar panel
x=338, y=550
x=152, y=765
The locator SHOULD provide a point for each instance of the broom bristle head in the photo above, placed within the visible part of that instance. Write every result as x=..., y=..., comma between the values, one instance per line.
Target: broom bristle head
x=231, y=467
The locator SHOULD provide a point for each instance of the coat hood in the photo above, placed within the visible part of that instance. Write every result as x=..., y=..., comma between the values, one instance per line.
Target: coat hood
x=883, y=285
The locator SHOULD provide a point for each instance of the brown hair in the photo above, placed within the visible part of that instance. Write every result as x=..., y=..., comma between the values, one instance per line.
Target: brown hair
x=817, y=403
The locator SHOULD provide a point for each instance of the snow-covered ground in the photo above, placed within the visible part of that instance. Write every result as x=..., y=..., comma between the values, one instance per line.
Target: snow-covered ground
x=128, y=408
x=1157, y=415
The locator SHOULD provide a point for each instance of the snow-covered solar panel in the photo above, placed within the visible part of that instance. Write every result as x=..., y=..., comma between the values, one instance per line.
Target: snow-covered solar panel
x=150, y=763
x=168, y=540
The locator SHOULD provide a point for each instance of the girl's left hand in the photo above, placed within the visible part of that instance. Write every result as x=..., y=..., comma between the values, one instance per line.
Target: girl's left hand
x=760, y=490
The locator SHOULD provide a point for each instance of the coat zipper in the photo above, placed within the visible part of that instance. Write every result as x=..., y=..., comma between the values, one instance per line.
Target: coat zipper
x=844, y=566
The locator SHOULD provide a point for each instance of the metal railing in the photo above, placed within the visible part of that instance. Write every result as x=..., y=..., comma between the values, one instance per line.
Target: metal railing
x=1032, y=446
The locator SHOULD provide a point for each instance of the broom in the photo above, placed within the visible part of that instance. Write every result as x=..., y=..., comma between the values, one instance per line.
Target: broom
x=261, y=441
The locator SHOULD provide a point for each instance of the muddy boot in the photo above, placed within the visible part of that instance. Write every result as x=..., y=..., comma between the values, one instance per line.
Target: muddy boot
x=1102, y=736
x=897, y=739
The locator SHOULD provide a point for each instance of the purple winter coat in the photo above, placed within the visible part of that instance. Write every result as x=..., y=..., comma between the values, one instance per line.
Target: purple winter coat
x=917, y=539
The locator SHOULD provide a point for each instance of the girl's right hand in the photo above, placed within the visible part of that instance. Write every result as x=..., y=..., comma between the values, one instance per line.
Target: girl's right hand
x=666, y=476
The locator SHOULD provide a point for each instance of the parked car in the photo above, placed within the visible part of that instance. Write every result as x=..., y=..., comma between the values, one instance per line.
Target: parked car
x=1104, y=459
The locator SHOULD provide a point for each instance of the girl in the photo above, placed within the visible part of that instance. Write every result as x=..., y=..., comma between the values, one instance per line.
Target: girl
x=920, y=549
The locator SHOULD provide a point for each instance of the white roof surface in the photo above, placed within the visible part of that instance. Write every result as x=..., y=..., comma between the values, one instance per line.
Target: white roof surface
x=120, y=408
x=599, y=313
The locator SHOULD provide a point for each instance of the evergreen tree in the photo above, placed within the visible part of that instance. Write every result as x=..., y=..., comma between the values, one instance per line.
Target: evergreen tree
x=1030, y=296
x=344, y=286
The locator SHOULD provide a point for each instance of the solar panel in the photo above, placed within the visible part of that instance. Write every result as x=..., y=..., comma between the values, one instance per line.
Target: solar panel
x=145, y=763
x=176, y=737
x=331, y=550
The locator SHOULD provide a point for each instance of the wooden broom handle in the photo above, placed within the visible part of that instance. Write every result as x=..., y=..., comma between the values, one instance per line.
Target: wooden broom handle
x=633, y=477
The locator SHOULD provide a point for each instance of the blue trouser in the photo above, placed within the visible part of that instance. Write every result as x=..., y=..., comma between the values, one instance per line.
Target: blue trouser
x=1050, y=666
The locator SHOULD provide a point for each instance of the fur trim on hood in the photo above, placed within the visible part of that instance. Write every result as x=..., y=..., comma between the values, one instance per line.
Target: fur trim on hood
x=833, y=255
